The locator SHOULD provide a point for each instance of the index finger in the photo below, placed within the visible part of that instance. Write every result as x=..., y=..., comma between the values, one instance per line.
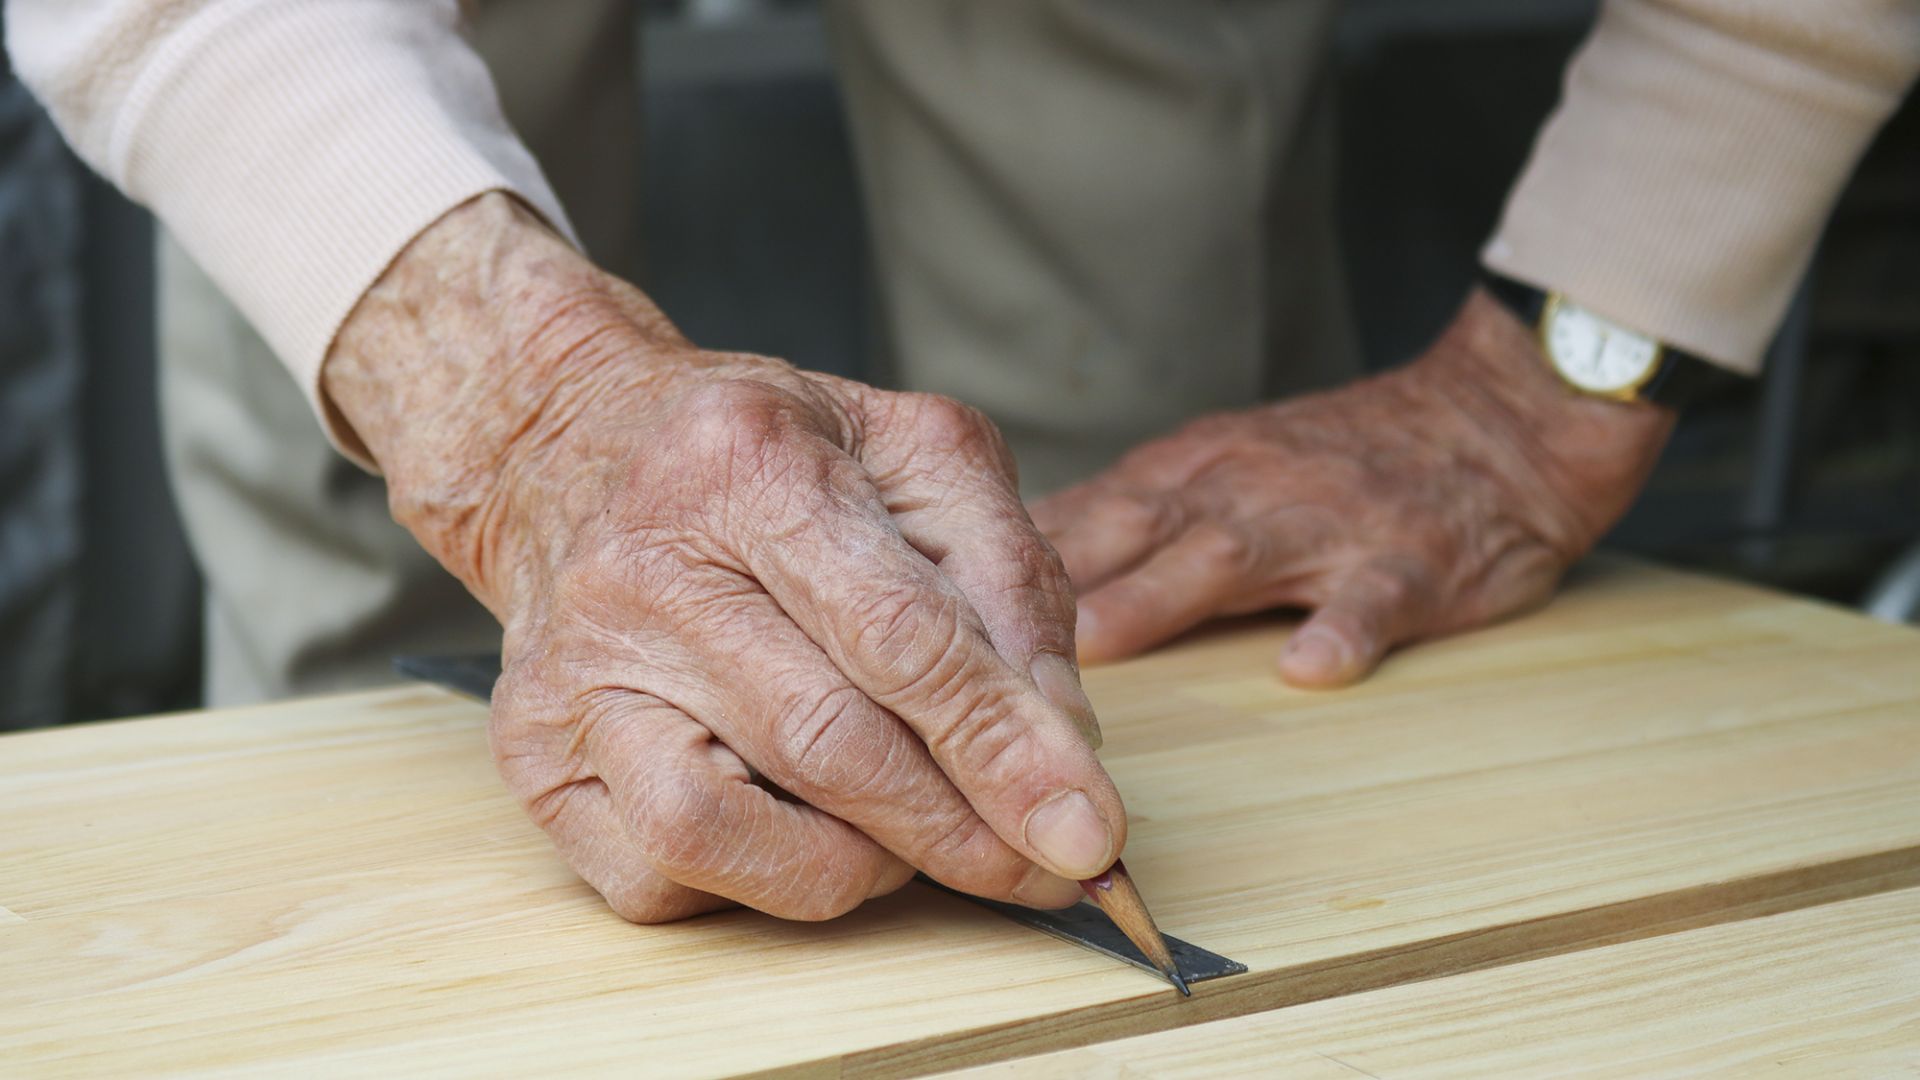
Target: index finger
x=906, y=636
x=954, y=498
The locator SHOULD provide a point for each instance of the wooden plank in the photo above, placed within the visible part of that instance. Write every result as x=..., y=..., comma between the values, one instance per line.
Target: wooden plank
x=340, y=885
x=1824, y=992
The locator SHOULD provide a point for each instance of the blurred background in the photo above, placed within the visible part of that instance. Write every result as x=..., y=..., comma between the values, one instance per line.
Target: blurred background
x=1811, y=481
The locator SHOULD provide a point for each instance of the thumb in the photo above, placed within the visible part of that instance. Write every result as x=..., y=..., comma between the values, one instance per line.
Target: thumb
x=1375, y=608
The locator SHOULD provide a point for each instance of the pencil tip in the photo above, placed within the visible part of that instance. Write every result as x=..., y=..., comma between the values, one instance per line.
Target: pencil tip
x=1116, y=895
x=1179, y=983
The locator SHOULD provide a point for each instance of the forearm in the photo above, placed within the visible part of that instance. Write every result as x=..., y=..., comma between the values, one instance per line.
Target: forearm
x=293, y=148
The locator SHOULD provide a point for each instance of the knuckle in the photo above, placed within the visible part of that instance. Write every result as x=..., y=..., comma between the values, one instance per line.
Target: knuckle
x=978, y=736
x=920, y=635
x=815, y=738
x=1049, y=570
x=551, y=803
x=736, y=420
x=948, y=421
x=1392, y=590
x=1017, y=557
x=965, y=852
x=1394, y=583
x=958, y=430
x=889, y=617
x=533, y=734
x=661, y=583
x=1028, y=574
x=1220, y=547
x=1386, y=604
x=1135, y=514
x=678, y=820
x=644, y=897
x=713, y=413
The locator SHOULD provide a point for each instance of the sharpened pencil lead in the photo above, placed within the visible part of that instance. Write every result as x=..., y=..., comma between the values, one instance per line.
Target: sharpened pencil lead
x=1116, y=895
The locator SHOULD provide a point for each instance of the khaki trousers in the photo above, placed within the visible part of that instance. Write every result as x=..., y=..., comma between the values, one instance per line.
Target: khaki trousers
x=1092, y=218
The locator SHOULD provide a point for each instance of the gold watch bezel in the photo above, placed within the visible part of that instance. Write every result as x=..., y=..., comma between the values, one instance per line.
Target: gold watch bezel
x=1628, y=393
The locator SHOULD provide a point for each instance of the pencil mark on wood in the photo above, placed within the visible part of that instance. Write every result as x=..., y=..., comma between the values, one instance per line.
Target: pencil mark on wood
x=1353, y=1068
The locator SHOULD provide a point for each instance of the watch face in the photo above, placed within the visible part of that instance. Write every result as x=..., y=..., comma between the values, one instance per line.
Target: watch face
x=1595, y=354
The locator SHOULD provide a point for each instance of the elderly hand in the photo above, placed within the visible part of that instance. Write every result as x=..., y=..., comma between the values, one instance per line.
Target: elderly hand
x=1425, y=501
x=713, y=565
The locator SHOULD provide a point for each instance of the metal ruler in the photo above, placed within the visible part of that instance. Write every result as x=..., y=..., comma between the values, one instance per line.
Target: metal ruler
x=1083, y=924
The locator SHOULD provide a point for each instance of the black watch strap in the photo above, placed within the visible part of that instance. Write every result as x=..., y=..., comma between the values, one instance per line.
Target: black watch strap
x=1683, y=378
x=1524, y=301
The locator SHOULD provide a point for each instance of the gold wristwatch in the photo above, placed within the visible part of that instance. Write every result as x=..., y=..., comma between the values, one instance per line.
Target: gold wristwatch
x=1601, y=358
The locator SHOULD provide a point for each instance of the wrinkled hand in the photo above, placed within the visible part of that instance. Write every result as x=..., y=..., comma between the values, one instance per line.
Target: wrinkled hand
x=1425, y=501
x=712, y=565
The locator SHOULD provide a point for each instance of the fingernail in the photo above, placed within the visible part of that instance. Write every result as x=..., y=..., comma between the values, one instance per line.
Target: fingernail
x=1057, y=678
x=1318, y=652
x=1069, y=833
x=1085, y=623
x=1042, y=888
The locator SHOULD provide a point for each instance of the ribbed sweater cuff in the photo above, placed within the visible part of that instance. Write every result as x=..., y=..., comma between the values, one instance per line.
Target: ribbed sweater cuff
x=1683, y=183
x=296, y=146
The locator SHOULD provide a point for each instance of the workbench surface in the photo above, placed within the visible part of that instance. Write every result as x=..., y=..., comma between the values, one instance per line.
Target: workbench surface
x=342, y=884
x=1820, y=993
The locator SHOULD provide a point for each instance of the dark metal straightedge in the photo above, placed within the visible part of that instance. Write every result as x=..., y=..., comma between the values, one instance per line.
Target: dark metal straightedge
x=473, y=674
x=1088, y=926
x=1083, y=924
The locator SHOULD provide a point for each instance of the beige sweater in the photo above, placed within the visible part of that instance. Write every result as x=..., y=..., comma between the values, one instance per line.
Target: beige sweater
x=295, y=146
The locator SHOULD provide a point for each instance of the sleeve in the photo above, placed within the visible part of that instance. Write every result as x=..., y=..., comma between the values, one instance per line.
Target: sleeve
x=1698, y=149
x=293, y=146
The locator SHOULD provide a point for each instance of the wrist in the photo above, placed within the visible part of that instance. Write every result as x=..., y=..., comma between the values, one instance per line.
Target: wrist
x=1590, y=456
x=465, y=362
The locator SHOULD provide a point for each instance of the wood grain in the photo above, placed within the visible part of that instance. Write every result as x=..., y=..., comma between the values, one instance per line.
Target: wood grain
x=1828, y=992
x=340, y=885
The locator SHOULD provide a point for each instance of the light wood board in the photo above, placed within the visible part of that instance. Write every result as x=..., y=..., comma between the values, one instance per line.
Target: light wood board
x=340, y=885
x=1828, y=992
